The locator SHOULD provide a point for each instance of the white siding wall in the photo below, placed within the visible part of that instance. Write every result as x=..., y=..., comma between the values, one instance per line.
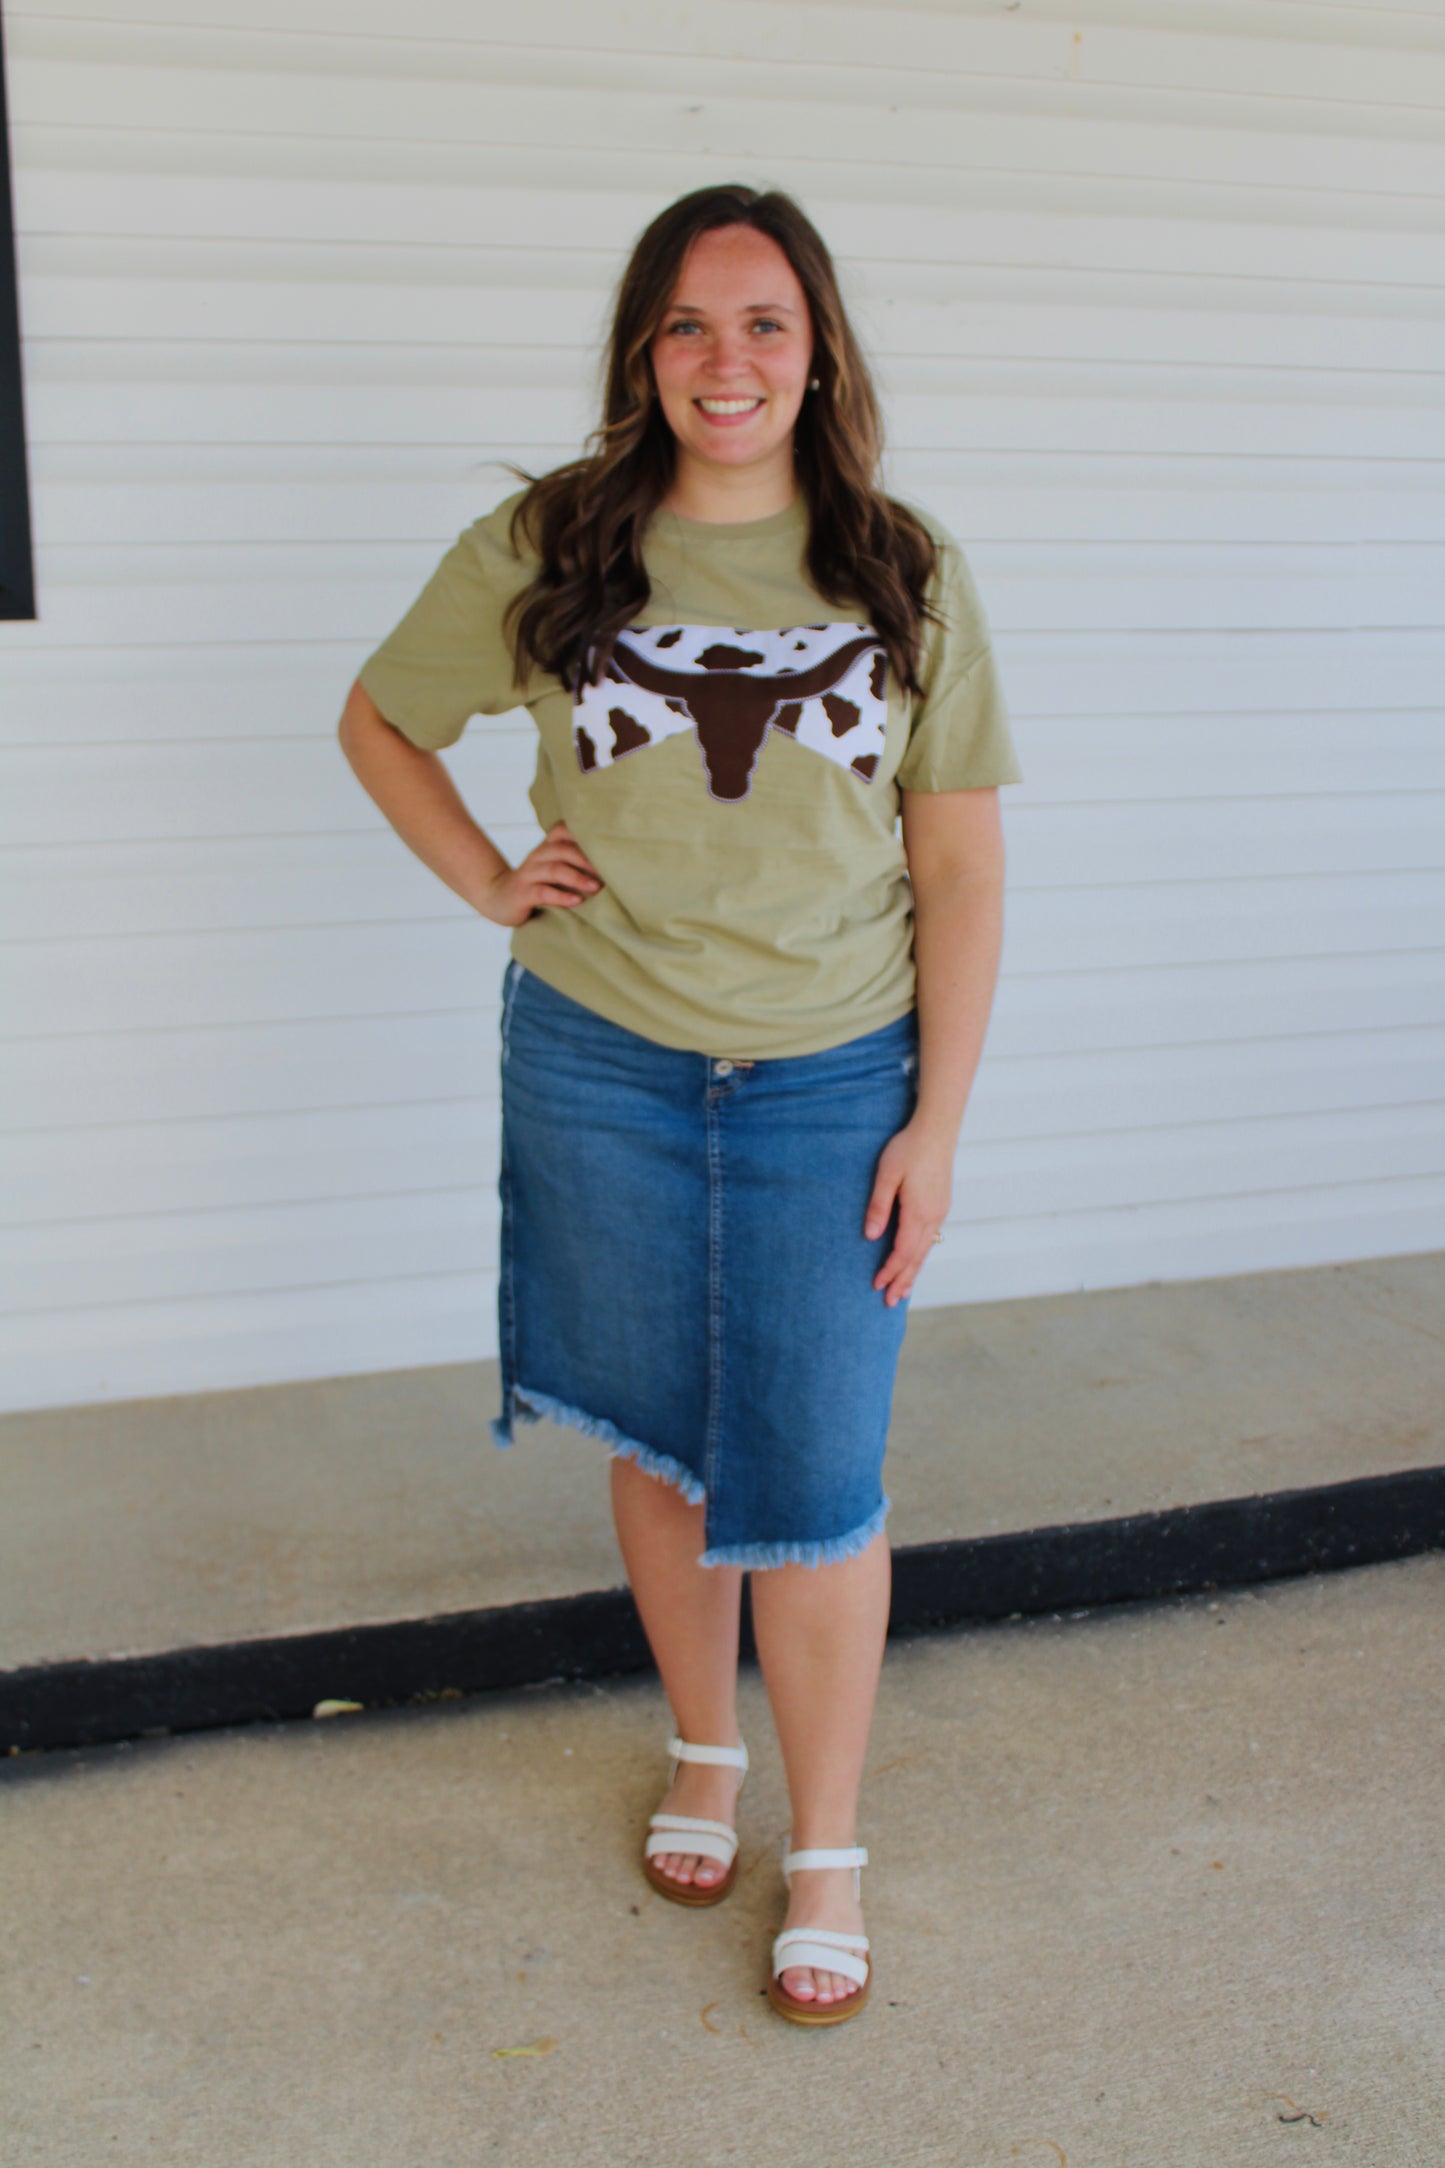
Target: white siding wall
x=1154, y=294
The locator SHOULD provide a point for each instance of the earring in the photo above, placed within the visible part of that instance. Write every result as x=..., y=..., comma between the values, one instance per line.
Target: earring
x=812, y=383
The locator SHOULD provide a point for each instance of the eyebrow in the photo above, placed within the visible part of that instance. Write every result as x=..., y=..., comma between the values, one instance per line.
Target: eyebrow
x=779, y=308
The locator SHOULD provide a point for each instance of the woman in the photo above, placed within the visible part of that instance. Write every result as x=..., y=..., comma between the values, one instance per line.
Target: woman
x=741, y=1016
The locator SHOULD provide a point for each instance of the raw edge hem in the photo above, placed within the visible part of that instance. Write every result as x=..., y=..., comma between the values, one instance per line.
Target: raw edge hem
x=831, y=1552
x=529, y=1406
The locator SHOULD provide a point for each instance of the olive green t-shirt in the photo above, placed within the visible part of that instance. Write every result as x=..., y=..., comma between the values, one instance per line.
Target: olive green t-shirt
x=734, y=778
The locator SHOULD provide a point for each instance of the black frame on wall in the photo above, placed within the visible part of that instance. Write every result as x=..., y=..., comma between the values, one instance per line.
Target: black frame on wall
x=17, y=567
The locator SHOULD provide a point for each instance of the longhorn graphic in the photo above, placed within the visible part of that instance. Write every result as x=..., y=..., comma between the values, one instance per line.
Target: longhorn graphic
x=730, y=699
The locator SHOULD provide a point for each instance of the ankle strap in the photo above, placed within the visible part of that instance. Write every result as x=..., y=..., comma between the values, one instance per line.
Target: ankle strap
x=852, y=1855
x=727, y=1757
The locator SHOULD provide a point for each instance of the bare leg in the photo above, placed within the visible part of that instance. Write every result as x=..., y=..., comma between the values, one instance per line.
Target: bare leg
x=820, y=1633
x=690, y=1615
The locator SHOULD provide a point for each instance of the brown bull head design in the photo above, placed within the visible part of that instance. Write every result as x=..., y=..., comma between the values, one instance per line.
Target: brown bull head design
x=732, y=701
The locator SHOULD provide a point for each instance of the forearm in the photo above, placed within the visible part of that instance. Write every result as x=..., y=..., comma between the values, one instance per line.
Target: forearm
x=416, y=794
x=957, y=942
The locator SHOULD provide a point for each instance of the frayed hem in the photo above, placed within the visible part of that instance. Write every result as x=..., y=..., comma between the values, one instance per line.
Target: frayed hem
x=529, y=1406
x=831, y=1552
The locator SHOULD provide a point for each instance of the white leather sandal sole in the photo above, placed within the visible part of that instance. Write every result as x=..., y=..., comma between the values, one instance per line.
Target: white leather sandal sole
x=821, y=1948
x=694, y=1834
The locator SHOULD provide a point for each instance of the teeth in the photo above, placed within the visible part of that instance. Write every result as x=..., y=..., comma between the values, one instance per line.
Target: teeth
x=728, y=406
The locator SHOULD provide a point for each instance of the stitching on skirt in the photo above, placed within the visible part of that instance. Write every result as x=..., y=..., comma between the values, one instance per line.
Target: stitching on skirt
x=509, y=994
x=506, y=1286
x=506, y=1282
x=714, y=1291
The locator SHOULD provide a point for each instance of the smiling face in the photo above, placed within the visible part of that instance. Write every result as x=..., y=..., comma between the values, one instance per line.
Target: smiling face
x=732, y=358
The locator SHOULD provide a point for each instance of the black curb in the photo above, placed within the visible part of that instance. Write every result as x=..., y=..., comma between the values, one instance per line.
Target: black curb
x=1082, y=1565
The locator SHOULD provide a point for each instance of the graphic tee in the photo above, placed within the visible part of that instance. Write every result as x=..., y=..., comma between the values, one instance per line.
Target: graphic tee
x=734, y=777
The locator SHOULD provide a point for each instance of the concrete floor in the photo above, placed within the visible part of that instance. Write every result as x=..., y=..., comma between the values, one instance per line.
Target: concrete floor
x=1156, y=1888
x=206, y=1518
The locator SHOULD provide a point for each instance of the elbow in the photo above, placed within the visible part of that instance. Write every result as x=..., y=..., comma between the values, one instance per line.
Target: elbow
x=358, y=700
x=361, y=719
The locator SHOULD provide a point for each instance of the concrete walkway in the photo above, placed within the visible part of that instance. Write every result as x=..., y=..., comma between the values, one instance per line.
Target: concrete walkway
x=1156, y=1888
x=218, y=1517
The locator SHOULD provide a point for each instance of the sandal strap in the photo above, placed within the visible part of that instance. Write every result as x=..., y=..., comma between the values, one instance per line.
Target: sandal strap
x=726, y=1757
x=849, y=1855
x=823, y=1950
x=705, y=1839
x=690, y=1821
x=852, y=1855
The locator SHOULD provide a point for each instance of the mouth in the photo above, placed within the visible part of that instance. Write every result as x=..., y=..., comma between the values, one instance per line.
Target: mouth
x=727, y=413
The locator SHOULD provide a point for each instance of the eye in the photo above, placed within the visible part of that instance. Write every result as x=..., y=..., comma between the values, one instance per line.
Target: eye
x=772, y=320
x=684, y=323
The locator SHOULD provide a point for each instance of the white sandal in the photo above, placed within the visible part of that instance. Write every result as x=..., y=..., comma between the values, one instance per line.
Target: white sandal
x=821, y=1948
x=693, y=1834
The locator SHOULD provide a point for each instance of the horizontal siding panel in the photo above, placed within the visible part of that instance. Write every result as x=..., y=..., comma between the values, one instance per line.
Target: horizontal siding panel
x=91, y=501
x=453, y=1228
x=1298, y=764
x=166, y=1257
x=129, y=1351
x=511, y=398
x=365, y=192
x=1064, y=847
x=1323, y=52
x=257, y=87
x=181, y=982
x=233, y=793
x=152, y=793
x=257, y=1070
x=1163, y=757
x=1056, y=584
x=66, y=1182
x=130, y=597
x=353, y=883
x=229, y=1163
x=1186, y=682
x=84, y=697
x=156, y=287
x=126, y=1350
x=226, y=980
x=1277, y=1231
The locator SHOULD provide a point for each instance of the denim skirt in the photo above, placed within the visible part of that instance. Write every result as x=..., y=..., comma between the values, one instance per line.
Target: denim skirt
x=684, y=1272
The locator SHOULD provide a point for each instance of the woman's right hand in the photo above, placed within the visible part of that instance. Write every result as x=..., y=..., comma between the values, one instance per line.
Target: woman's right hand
x=558, y=871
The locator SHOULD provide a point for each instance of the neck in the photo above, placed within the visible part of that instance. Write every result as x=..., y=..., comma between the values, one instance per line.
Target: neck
x=722, y=496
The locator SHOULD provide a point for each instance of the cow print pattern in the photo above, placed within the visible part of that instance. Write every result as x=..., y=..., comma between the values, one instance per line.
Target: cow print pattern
x=825, y=685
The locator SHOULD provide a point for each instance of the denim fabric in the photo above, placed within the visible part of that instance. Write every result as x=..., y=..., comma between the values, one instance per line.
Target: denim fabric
x=684, y=1272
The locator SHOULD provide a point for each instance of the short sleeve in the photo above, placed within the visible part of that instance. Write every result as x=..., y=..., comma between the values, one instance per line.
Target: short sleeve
x=449, y=659
x=958, y=736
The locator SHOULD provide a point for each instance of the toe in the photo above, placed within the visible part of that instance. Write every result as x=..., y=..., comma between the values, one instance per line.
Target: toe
x=798, y=1982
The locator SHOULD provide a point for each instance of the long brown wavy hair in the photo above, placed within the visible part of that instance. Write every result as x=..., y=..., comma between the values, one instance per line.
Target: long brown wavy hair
x=586, y=520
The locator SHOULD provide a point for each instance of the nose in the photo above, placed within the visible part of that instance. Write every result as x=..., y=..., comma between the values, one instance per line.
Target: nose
x=727, y=354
